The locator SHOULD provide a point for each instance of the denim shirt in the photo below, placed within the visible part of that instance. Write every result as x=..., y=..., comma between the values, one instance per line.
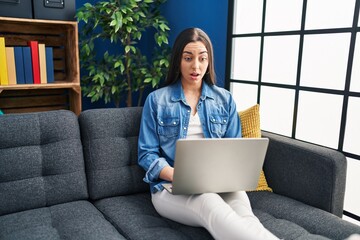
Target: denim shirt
x=165, y=119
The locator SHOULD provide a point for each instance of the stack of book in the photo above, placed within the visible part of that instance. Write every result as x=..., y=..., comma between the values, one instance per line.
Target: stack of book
x=32, y=64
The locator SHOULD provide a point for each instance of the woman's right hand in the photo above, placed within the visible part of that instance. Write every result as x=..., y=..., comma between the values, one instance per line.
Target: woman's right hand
x=167, y=173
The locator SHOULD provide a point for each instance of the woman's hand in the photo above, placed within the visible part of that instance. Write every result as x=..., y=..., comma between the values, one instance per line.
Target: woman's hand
x=167, y=173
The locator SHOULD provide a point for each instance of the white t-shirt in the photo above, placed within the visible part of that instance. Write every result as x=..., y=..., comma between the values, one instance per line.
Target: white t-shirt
x=195, y=130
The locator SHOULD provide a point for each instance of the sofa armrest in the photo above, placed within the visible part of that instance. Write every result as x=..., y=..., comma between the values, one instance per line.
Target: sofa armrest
x=306, y=172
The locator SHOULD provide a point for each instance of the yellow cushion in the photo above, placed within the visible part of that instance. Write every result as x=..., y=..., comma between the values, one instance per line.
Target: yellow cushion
x=250, y=128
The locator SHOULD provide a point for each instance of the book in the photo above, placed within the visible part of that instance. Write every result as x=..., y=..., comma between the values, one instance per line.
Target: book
x=3, y=63
x=49, y=64
x=10, y=59
x=27, y=65
x=34, y=48
x=19, y=65
x=42, y=63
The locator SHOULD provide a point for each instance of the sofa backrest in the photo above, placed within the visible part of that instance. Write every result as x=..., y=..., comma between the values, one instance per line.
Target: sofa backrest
x=41, y=160
x=110, y=140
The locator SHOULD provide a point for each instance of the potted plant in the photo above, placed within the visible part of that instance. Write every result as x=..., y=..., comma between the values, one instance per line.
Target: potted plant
x=115, y=75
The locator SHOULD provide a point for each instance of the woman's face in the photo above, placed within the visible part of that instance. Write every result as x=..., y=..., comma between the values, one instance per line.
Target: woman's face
x=194, y=63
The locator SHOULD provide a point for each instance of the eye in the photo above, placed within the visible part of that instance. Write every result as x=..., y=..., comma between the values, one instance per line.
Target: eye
x=203, y=59
x=188, y=59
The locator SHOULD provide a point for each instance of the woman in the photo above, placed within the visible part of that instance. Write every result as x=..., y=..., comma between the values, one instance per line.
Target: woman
x=190, y=106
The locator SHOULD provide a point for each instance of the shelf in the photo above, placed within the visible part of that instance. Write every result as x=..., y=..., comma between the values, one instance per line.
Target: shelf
x=62, y=36
x=74, y=86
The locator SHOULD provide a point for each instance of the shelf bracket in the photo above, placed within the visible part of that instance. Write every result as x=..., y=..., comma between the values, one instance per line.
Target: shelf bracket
x=77, y=89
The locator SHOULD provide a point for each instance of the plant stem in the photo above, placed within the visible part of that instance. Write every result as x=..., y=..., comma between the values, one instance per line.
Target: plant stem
x=128, y=77
x=141, y=91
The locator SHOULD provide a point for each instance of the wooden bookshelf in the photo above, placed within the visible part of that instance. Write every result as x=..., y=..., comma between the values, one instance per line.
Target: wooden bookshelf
x=65, y=92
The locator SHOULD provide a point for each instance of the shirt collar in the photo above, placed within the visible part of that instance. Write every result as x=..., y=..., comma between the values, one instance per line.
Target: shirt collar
x=178, y=93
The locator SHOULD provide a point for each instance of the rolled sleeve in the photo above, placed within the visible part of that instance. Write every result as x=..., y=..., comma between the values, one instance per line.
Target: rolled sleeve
x=152, y=174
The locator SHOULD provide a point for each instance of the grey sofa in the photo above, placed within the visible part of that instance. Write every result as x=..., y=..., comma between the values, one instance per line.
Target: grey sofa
x=69, y=177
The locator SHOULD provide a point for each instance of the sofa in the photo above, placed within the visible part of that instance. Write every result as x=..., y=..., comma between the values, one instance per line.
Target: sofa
x=64, y=176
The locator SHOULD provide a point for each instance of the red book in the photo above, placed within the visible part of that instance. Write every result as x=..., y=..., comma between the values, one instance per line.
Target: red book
x=34, y=48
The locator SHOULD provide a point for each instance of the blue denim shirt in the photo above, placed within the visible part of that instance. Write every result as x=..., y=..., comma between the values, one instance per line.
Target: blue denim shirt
x=165, y=119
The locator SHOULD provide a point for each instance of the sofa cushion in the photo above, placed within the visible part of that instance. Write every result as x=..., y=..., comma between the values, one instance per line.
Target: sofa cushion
x=284, y=228
x=75, y=220
x=313, y=220
x=135, y=217
x=41, y=160
x=110, y=138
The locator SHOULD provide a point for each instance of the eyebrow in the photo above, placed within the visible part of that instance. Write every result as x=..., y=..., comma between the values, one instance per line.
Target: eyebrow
x=192, y=53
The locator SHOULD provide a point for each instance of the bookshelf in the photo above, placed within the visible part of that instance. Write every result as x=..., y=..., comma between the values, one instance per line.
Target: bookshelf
x=65, y=92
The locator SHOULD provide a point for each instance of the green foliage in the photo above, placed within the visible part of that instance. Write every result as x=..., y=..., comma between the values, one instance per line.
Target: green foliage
x=122, y=23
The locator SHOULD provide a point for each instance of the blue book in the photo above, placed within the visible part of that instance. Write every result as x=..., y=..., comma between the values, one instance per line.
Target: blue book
x=27, y=65
x=19, y=65
x=49, y=64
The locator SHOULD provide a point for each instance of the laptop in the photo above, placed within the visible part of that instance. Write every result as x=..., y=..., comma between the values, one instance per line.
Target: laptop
x=217, y=165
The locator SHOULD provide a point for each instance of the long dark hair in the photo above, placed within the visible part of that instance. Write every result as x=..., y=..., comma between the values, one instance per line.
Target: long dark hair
x=185, y=37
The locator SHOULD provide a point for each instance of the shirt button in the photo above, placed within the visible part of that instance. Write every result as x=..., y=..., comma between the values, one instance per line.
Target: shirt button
x=188, y=111
x=224, y=120
x=184, y=128
x=162, y=122
x=174, y=123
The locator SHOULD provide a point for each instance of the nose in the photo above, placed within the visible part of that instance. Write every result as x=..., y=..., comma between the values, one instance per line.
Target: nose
x=196, y=64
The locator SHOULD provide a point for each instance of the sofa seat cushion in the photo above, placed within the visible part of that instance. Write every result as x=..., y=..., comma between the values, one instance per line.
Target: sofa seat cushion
x=291, y=219
x=135, y=217
x=285, y=229
x=74, y=220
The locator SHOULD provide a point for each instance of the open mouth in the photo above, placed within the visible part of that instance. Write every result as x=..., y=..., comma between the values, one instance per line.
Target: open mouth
x=195, y=74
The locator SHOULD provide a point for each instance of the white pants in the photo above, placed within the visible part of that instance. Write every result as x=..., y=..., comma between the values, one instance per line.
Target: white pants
x=226, y=216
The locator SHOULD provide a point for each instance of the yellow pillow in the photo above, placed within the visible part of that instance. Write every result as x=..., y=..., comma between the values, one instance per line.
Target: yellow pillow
x=250, y=128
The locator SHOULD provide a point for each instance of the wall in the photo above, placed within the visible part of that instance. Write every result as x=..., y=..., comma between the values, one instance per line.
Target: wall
x=209, y=15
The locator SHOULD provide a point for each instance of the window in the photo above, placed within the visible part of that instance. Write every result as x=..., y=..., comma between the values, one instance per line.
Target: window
x=300, y=60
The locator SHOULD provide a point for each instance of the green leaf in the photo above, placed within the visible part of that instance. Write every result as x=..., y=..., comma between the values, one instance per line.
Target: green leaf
x=113, y=23
x=122, y=68
x=88, y=5
x=117, y=28
x=148, y=1
x=164, y=39
x=113, y=89
x=127, y=49
x=148, y=80
x=79, y=15
x=154, y=83
x=163, y=27
x=119, y=18
x=142, y=14
x=87, y=49
x=117, y=64
x=92, y=93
